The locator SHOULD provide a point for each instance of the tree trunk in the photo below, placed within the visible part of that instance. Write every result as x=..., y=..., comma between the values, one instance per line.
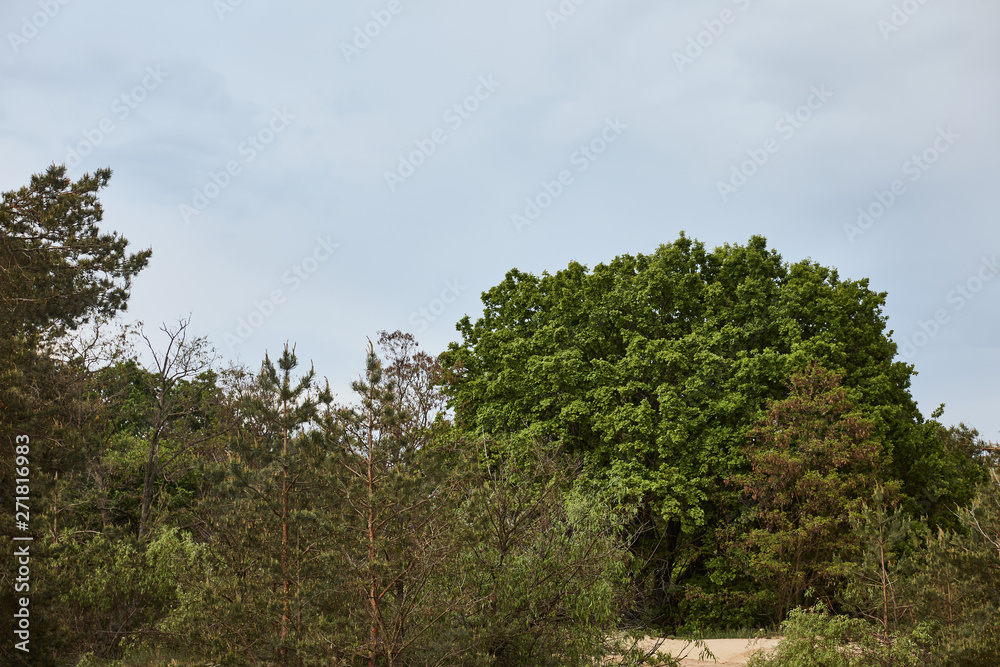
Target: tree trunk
x=55, y=509
x=284, y=540
x=373, y=577
x=102, y=498
x=147, y=486
x=885, y=581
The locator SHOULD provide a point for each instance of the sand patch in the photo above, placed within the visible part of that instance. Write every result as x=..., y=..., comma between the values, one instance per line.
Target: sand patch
x=728, y=652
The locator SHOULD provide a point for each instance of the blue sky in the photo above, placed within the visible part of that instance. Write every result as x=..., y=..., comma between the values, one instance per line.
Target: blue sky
x=318, y=172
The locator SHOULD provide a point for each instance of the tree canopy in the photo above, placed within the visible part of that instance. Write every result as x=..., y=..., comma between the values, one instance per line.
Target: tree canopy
x=57, y=269
x=655, y=368
x=689, y=439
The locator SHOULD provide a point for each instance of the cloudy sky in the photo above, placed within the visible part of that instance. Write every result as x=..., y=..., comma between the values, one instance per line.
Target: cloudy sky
x=320, y=171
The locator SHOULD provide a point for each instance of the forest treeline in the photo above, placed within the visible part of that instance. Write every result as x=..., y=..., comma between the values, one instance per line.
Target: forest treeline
x=683, y=442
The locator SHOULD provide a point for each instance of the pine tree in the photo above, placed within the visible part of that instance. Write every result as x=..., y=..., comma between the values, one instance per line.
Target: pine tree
x=812, y=462
x=879, y=580
x=395, y=493
x=253, y=523
x=58, y=270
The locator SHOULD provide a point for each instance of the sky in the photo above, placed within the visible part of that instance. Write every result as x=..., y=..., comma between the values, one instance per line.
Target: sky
x=316, y=172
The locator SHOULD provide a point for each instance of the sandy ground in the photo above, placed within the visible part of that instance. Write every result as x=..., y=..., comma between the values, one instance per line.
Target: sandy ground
x=728, y=652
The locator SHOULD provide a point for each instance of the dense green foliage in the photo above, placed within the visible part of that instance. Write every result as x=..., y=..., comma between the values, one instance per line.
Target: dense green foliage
x=690, y=439
x=935, y=604
x=812, y=463
x=655, y=368
x=816, y=637
x=57, y=271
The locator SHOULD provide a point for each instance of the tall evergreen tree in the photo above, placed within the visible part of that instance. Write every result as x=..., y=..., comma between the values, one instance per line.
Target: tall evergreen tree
x=812, y=462
x=397, y=496
x=58, y=270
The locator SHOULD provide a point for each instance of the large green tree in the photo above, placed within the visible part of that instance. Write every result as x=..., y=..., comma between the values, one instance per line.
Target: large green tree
x=654, y=368
x=58, y=270
x=56, y=267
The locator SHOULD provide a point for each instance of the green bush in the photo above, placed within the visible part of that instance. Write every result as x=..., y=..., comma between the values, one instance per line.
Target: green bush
x=974, y=650
x=816, y=638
